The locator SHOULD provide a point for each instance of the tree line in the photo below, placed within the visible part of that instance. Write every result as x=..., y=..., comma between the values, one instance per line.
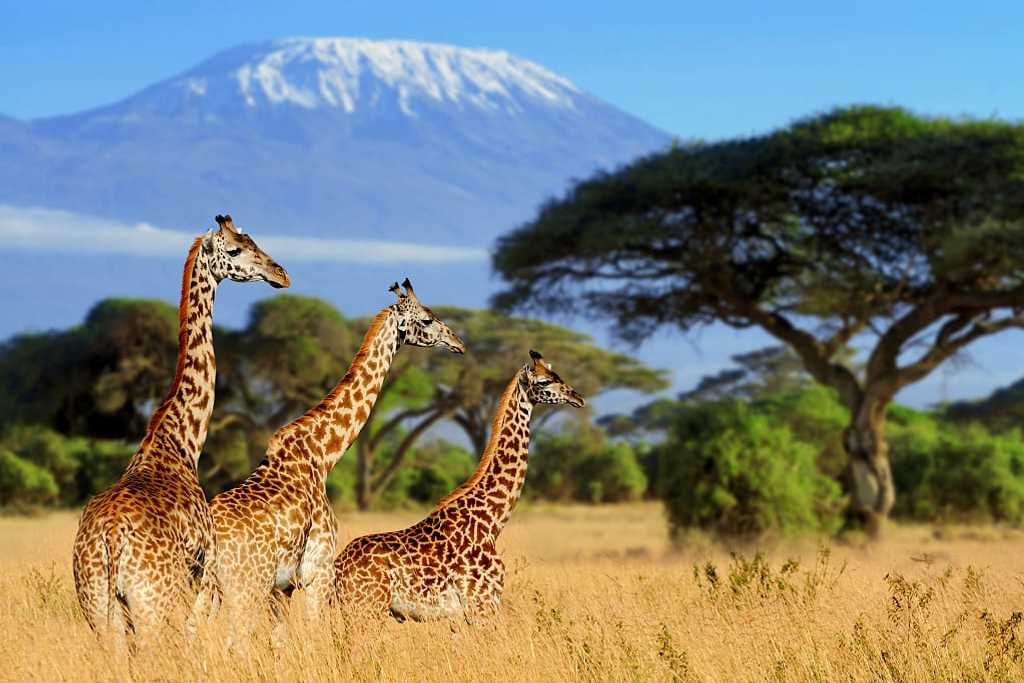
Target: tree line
x=754, y=448
x=872, y=243
x=78, y=400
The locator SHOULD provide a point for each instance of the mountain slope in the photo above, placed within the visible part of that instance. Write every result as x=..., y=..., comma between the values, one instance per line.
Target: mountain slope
x=329, y=137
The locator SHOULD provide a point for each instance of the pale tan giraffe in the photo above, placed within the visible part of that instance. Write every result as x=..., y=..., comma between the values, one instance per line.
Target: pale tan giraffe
x=447, y=565
x=277, y=531
x=145, y=545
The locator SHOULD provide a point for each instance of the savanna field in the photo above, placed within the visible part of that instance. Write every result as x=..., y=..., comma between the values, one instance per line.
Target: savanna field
x=593, y=593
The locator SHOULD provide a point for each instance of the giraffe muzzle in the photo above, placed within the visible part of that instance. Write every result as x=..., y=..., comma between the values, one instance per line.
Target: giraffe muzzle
x=455, y=345
x=277, y=277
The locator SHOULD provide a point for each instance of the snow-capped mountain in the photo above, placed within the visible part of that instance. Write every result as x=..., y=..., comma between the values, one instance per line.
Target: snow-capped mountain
x=354, y=74
x=328, y=137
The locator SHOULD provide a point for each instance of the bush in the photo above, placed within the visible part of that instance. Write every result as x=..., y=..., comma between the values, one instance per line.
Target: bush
x=947, y=472
x=579, y=463
x=444, y=467
x=728, y=469
x=77, y=467
x=22, y=482
x=611, y=475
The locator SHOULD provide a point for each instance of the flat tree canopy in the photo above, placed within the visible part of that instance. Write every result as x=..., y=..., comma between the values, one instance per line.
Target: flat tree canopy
x=901, y=231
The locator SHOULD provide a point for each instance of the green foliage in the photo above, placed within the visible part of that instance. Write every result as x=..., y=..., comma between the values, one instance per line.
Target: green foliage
x=815, y=416
x=76, y=467
x=434, y=470
x=851, y=213
x=295, y=348
x=727, y=468
x=440, y=467
x=859, y=218
x=22, y=482
x=952, y=472
x=579, y=463
x=100, y=379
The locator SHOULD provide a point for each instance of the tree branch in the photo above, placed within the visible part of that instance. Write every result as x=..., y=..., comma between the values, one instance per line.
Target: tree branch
x=395, y=421
x=947, y=344
x=384, y=477
x=816, y=356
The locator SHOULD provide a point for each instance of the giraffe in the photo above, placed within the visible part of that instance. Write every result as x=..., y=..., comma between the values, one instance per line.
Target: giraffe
x=145, y=545
x=277, y=531
x=446, y=565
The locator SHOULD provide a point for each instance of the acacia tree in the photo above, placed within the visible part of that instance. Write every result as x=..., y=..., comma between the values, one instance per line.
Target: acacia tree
x=430, y=387
x=864, y=225
x=98, y=379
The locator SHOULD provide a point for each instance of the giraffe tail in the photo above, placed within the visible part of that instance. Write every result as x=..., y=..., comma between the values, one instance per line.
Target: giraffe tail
x=115, y=538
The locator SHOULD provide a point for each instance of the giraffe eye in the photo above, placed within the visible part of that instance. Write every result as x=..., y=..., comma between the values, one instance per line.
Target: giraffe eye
x=426, y=321
x=234, y=252
x=543, y=382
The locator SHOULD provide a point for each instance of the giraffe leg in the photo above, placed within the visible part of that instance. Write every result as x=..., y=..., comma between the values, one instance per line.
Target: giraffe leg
x=207, y=604
x=92, y=585
x=484, y=588
x=315, y=572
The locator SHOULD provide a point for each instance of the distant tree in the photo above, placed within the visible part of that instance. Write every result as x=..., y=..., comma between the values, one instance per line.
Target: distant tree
x=22, y=482
x=579, y=463
x=291, y=352
x=432, y=387
x=763, y=371
x=103, y=378
x=1003, y=409
x=99, y=379
x=862, y=221
x=954, y=472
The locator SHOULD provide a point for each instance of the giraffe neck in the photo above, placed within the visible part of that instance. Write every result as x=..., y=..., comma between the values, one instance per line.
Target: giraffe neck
x=491, y=493
x=325, y=432
x=177, y=431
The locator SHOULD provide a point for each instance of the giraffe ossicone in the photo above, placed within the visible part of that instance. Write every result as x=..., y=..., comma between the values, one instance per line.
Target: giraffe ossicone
x=144, y=547
x=446, y=565
x=277, y=530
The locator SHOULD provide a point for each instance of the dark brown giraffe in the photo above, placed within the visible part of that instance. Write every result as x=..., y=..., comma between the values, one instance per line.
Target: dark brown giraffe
x=144, y=546
x=447, y=565
x=277, y=530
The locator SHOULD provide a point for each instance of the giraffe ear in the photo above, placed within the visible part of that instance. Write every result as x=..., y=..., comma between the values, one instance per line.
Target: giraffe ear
x=226, y=223
x=535, y=355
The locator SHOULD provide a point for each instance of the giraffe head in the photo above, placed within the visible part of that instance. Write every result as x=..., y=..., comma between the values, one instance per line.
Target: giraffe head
x=418, y=325
x=543, y=385
x=233, y=254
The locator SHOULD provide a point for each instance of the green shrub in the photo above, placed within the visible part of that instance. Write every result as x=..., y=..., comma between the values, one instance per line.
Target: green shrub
x=611, y=475
x=77, y=467
x=579, y=463
x=945, y=472
x=444, y=466
x=728, y=469
x=22, y=482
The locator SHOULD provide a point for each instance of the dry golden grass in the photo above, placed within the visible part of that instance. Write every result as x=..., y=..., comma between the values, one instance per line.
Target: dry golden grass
x=594, y=594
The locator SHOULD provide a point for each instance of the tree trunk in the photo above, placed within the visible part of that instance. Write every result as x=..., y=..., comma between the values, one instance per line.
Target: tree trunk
x=363, y=462
x=870, y=477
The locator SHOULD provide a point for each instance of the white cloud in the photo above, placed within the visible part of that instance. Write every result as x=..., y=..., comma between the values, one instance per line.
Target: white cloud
x=41, y=229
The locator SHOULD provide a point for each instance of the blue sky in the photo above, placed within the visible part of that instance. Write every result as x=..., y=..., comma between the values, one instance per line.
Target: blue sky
x=696, y=69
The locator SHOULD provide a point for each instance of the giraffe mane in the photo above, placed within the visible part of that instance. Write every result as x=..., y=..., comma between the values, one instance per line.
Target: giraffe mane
x=492, y=444
x=183, y=310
